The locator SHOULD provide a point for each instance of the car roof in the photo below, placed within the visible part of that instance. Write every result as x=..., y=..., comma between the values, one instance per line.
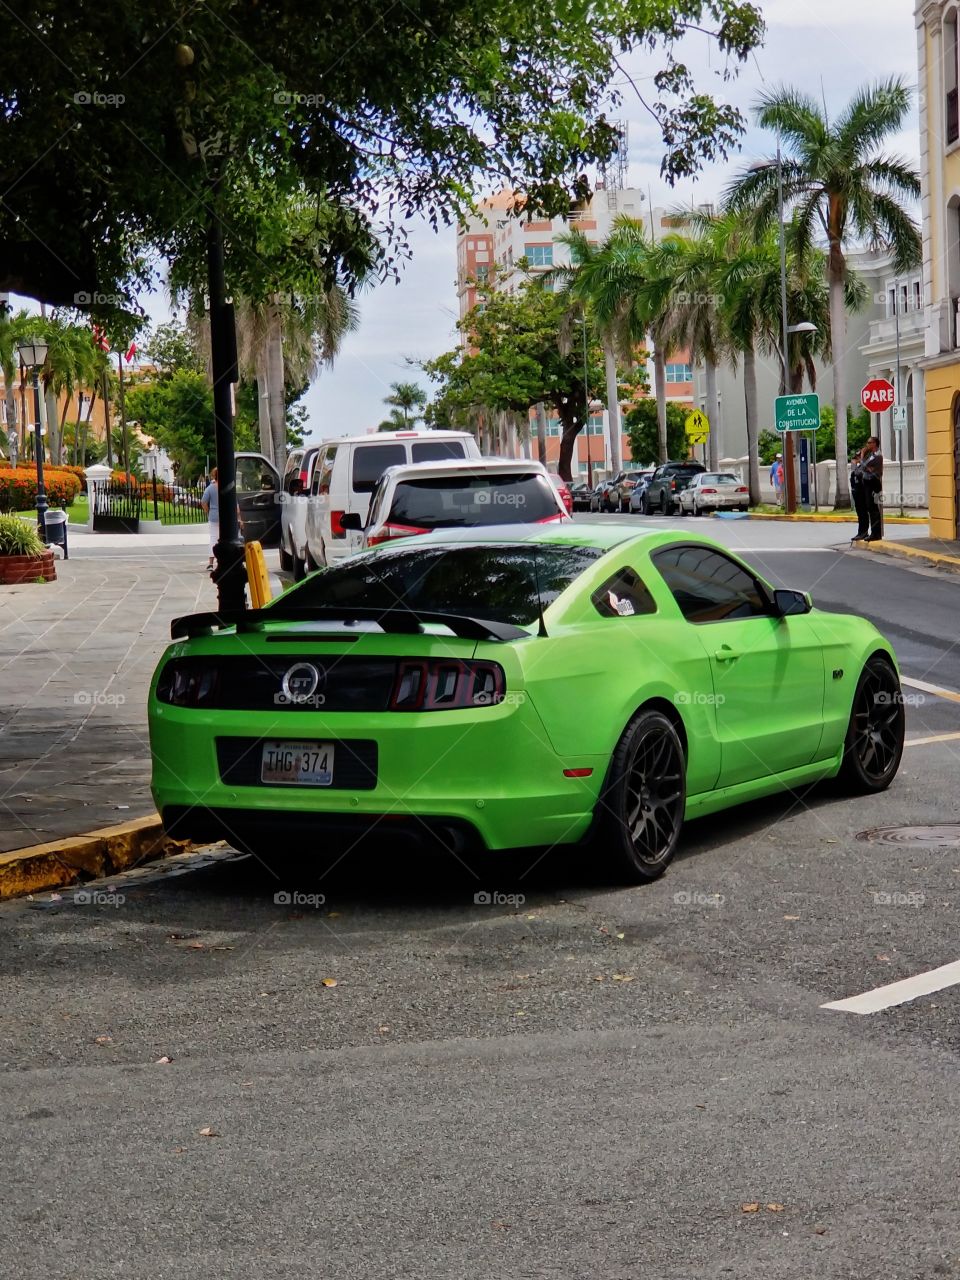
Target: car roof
x=604, y=537
x=385, y=437
x=462, y=466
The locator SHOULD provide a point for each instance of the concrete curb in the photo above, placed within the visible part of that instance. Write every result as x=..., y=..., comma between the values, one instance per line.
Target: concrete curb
x=91, y=856
x=904, y=552
x=850, y=519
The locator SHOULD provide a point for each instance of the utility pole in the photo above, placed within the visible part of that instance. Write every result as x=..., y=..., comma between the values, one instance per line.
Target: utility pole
x=789, y=479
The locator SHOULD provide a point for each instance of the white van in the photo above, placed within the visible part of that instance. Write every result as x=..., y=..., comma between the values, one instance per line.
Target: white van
x=347, y=471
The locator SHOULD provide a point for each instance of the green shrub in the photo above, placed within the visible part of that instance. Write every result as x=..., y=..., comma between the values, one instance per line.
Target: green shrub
x=17, y=538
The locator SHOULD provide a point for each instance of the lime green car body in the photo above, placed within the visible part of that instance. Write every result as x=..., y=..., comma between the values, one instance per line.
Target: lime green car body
x=762, y=704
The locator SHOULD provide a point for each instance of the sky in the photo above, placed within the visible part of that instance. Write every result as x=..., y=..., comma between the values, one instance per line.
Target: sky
x=827, y=47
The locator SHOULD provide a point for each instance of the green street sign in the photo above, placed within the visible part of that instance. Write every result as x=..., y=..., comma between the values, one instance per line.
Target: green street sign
x=797, y=413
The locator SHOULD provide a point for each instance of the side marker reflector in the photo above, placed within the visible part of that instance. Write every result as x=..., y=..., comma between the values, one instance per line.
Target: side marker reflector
x=577, y=773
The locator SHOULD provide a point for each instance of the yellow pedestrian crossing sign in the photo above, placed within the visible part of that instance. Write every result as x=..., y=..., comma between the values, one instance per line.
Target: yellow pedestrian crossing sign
x=697, y=427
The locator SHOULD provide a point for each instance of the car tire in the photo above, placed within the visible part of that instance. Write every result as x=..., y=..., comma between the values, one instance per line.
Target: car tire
x=640, y=811
x=666, y=507
x=300, y=569
x=286, y=559
x=644, y=506
x=696, y=509
x=875, y=735
x=681, y=509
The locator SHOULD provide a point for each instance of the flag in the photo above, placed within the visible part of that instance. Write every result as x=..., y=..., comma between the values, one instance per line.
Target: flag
x=131, y=352
x=100, y=338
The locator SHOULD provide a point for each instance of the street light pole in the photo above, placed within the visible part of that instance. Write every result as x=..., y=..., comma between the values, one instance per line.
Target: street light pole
x=790, y=485
x=586, y=405
x=32, y=357
x=898, y=435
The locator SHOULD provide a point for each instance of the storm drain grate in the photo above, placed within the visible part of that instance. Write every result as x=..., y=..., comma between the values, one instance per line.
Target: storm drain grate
x=948, y=833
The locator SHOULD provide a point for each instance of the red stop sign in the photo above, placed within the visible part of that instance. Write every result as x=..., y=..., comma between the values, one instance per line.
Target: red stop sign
x=878, y=395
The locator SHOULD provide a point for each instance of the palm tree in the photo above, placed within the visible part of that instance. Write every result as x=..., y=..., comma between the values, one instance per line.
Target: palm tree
x=410, y=399
x=842, y=186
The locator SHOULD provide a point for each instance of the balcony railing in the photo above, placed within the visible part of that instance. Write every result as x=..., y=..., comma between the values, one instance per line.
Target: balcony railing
x=953, y=117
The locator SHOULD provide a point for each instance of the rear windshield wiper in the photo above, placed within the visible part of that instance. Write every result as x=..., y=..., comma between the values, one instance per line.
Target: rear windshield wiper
x=392, y=620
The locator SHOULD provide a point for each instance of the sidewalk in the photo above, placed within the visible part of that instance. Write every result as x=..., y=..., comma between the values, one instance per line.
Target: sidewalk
x=76, y=657
x=928, y=551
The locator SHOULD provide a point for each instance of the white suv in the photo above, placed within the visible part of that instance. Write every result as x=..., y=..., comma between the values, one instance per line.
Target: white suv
x=424, y=496
x=346, y=473
x=293, y=509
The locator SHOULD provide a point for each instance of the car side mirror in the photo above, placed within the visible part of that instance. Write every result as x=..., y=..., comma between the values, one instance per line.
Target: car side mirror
x=786, y=603
x=351, y=520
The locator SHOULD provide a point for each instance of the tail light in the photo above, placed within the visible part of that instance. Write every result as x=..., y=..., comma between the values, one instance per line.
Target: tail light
x=704, y=489
x=742, y=489
x=188, y=684
x=388, y=531
x=443, y=684
x=304, y=478
x=336, y=527
x=673, y=484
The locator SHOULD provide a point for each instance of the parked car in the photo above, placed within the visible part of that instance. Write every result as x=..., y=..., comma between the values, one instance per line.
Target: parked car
x=346, y=473
x=669, y=480
x=599, y=500
x=258, y=499
x=561, y=486
x=713, y=491
x=564, y=675
x=293, y=510
x=580, y=493
x=623, y=486
x=424, y=496
x=638, y=491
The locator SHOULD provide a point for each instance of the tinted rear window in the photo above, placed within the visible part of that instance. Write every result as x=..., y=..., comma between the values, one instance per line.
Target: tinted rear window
x=436, y=450
x=370, y=461
x=499, y=583
x=455, y=501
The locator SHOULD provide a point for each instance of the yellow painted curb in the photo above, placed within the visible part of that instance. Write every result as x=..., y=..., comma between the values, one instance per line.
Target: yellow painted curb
x=91, y=856
x=914, y=553
x=850, y=519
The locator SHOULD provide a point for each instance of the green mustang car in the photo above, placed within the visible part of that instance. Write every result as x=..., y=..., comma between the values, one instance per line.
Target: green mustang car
x=499, y=688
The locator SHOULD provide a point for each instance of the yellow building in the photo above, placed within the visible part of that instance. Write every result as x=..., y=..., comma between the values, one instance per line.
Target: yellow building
x=939, y=78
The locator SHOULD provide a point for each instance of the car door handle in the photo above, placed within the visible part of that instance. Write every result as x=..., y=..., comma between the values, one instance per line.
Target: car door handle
x=726, y=654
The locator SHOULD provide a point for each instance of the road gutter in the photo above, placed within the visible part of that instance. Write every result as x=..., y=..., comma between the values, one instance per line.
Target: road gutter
x=905, y=552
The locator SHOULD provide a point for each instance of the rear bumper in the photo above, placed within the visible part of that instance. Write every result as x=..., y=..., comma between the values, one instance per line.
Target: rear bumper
x=490, y=772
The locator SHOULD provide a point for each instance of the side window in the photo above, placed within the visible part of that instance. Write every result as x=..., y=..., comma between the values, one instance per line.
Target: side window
x=623, y=596
x=708, y=586
x=323, y=470
x=292, y=472
x=370, y=461
x=436, y=450
x=254, y=475
x=373, y=515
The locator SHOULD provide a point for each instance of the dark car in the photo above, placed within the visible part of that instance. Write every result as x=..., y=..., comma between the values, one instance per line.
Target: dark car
x=624, y=484
x=600, y=498
x=258, y=499
x=669, y=479
x=580, y=495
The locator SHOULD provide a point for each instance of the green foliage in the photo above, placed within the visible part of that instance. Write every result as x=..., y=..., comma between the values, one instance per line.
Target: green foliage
x=173, y=348
x=224, y=108
x=641, y=427
x=17, y=538
x=858, y=430
x=770, y=443
x=177, y=412
x=407, y=400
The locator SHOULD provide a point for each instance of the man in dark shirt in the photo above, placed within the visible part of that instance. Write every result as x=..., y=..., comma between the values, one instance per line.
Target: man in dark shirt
x=866, y=489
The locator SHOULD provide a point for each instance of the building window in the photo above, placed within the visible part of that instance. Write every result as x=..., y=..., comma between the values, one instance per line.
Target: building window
x=482, y=274
x=917, y=296
x=679, y=373
x=540, y=255
x=950, y=56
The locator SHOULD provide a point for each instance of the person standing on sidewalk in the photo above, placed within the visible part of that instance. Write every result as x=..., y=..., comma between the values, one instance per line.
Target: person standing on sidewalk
x=776, y=477
x=866, y=489
x=210, y=501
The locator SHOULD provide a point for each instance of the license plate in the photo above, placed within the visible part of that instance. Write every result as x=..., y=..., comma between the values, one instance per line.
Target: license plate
x=297, y=764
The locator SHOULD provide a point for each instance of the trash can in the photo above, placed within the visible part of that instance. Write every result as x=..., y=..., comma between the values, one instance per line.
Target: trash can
x=55, y=524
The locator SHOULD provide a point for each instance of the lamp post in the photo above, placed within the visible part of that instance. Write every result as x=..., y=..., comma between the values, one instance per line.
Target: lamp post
x=33, y=355
x=586, y=404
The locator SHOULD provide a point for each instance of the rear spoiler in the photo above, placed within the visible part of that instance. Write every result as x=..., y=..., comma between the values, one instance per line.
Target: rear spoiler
x=394, y=621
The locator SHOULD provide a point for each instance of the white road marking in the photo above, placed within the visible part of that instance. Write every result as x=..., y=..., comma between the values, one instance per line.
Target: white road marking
x=937, y=690
x=939, y=737
x=922, y=984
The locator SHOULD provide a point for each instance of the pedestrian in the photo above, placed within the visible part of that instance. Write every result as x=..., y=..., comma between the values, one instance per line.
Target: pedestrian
x=210, y=501
x=866, y=489
x=776, y=477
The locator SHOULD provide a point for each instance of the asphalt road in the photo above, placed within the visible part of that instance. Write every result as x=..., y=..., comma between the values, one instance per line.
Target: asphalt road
x=633, y=1084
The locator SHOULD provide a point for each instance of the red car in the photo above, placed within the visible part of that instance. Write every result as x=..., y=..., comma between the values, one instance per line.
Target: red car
x=563, y=489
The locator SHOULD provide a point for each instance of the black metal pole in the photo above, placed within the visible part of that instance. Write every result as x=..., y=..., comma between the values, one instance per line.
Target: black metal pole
x=230, y=573
x=38, y=449
x=156, y=513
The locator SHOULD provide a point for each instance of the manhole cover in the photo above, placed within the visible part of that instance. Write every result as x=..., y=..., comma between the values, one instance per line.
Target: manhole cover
x=948, y=833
